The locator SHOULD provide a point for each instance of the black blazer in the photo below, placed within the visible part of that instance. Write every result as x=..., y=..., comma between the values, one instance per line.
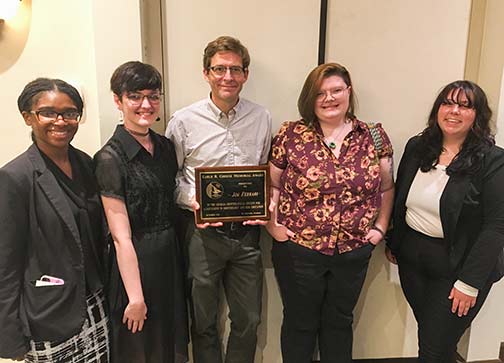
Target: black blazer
x=472, y=216
x=38, y=236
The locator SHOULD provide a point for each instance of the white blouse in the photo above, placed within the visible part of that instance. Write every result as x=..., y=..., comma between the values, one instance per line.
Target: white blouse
x=422, y=213
x=422, y=210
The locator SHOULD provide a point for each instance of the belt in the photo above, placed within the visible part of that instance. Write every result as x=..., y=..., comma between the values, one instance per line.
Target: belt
x=235, y=230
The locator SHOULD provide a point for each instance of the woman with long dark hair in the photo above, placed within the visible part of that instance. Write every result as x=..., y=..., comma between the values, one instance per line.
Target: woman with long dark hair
x=448, y=218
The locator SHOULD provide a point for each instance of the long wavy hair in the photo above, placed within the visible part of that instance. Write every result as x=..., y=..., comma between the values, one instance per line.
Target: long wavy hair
x=477, y=142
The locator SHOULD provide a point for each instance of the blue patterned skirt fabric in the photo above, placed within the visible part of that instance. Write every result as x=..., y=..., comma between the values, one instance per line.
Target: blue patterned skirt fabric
x=91, y=345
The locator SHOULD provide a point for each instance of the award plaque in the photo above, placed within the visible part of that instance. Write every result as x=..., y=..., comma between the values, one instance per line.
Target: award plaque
x=232, y=193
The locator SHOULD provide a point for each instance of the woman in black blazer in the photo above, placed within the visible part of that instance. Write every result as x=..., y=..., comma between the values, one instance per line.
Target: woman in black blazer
x=448, y=234
x=52, y=245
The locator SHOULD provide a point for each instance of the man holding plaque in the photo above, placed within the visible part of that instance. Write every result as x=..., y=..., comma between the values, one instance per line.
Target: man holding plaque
x=222, y=130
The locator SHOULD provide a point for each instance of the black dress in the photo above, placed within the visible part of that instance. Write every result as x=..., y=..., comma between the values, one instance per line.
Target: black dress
x=146, y=184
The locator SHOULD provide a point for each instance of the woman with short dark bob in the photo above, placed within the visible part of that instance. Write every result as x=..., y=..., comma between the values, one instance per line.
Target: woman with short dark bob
x=52, y=238
x=136, y=173
x=332, y=188
x=448, y=218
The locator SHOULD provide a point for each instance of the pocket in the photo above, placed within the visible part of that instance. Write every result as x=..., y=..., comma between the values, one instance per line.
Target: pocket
x=45, y=299
x=359, y=254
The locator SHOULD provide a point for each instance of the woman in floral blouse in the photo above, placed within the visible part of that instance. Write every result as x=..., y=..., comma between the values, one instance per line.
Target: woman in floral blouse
x=332, y=194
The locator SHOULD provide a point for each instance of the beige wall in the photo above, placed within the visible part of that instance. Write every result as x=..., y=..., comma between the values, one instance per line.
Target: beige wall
x=400, y=54
x=80, y=42
x=117, y=39
x=486, y=332
x=492, y=56
x=57, y=46
x=282, y=38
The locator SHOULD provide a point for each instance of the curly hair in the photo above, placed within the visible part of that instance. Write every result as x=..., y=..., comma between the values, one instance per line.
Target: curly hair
x=477, y=142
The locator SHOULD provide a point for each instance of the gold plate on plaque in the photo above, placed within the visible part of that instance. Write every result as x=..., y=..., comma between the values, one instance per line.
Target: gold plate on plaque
x=232, y=193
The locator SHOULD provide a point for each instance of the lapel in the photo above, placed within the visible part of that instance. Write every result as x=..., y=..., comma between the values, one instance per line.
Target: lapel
x=52, y=190
x=451, y=203
x=408, y=172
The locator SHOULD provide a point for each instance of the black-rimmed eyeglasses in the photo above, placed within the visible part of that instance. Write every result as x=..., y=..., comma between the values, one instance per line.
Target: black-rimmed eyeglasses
x=47, y=116
x=136, y=99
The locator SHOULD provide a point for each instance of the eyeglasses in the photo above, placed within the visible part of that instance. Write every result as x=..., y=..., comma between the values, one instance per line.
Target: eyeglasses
x=334, y=93
x=461, y=106
x=136, y=99
x=47, y=116
x=220, y=71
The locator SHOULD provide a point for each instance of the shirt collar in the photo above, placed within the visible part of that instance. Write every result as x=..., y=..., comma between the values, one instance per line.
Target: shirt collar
x=128, y=142
x=216, y=110
x=357, y=125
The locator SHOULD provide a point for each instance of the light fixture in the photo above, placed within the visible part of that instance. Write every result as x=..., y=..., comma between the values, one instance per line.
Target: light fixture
x=8, y=8
x=14, y=30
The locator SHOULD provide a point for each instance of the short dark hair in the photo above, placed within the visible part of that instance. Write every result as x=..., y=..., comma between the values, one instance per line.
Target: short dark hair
x=479, y=139
x=34, y=90
x=135, y=76
x=225, y=44
x=308, y=95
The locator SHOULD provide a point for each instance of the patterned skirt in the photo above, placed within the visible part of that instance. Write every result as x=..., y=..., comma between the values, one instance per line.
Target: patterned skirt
x=91, y=345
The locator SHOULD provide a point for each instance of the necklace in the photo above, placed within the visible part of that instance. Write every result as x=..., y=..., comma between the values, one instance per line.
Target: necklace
x=136, y=133
x=331, y=144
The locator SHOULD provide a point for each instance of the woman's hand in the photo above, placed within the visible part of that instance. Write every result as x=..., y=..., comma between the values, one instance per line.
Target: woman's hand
x=18, y=359
x=461, y=302
x=278, y=231
x=390, y=256
x=374, y=237
x=135, y=315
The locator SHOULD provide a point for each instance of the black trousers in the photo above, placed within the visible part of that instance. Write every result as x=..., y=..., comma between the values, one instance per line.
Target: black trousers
x=319, y=293
x=426, y=280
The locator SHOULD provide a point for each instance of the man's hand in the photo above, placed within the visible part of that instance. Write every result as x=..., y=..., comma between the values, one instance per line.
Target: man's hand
x=195, y=206
x=255, y=222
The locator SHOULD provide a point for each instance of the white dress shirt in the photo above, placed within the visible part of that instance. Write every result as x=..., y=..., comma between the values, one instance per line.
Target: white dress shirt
x=205, y=136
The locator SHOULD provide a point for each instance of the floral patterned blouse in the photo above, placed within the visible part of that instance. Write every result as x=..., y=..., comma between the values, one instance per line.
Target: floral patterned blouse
x=329, y=202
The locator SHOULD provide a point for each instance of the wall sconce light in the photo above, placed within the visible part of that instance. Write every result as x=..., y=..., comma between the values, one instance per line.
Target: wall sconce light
x=8, y=8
